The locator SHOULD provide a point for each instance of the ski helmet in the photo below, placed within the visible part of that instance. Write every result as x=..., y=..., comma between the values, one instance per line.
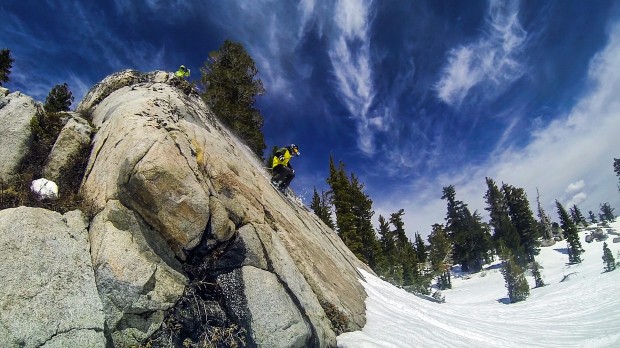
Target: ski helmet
x=295, y=150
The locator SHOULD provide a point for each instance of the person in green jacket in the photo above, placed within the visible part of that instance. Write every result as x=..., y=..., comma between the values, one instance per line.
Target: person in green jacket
x=283, y=172
x=183, y=72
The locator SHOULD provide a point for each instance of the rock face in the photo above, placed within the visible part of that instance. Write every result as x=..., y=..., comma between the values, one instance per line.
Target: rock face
x=189, y=234
x=16, y=112
x=135, y=282
x=48, y=295
x=72, y=140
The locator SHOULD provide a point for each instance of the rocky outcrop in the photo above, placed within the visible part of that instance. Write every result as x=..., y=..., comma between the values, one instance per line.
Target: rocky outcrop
x=48, y=296
x=189, y=237
x=16, y=112
x=71, y=142
x=160, y=153
x=134, y=277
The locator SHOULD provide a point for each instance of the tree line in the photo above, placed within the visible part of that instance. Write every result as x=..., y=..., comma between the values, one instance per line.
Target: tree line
x=514, y=233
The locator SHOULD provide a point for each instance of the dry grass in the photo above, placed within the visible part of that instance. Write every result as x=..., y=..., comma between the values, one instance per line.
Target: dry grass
x=339, y=321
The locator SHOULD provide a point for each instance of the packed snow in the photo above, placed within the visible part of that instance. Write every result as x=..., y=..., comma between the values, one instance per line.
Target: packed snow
x=581, y=311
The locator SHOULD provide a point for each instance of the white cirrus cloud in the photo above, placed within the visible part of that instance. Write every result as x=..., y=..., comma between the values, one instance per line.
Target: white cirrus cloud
x=491, y=63
x=349, y=53
x=574, y=149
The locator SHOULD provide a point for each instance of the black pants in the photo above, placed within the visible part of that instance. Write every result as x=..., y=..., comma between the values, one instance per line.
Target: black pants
x=284, y=174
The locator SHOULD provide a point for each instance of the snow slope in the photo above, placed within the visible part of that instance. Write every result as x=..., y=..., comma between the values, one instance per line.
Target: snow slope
x=583, y=311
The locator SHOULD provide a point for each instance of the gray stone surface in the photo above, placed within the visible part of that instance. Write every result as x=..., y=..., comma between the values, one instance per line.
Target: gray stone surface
x=137, y=275
x=144, y=159
x=48, y=295
x=74, y=138
x=275, y=318
x=16, y=112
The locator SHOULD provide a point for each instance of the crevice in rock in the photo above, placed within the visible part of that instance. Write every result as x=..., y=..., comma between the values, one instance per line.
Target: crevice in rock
x=204, y=313
x=96, y=155
x=150, y=284
x=59, y=333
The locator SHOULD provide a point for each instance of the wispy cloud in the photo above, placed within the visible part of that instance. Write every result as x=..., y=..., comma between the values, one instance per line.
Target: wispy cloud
x=570, y=159
x=350, y=56
x=490, y=63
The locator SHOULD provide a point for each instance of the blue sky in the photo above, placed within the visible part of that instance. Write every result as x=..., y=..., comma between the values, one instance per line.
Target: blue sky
x=410, y=95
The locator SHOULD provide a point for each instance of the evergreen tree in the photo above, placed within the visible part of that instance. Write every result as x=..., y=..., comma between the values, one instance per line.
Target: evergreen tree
x=390, y=270
x=59, y=99
x=617, y=169
x=577, y=217
x=608, y=259
x=231, y=88
x=6, y=63
x=340, y=196
x=570, y=234
x=354, y=212
x=362, y=211
x=522, y=218
x=420, y=248
x=440, y=251
x=607, y=212
x=320, y=206
x=517, y=285
x=544, y=221
x=404, y=250
x=592, y=217
x=469, y=236
x=537, y=277
x=504, y=231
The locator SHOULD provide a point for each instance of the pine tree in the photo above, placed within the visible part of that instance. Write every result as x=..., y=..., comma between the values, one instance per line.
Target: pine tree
x=469, y=236
x=390, y=270
x=340, y=196
x=420, y=248
x=402, y=244
x=6, y=63
x=617, y=169
x=59, y=99
x=504, y=230
x=522, y=218
x=537, y=277
x=320, y=206
x=577, y=217
x=517, y=285
x=608, y=259
x=592, y=217
x=544, y=221
x=231, y=88
x=362, y=210
x=440, y=251
x=607, y=212
x=354, y=212
x=570, y=234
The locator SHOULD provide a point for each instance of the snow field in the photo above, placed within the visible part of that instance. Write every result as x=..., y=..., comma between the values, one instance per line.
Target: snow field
x=583, y=311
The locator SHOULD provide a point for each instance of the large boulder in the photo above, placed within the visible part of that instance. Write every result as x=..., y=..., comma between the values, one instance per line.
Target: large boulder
x=137, y=275
x=16, y=112
x=48, y=296
x=273, y=317
x=142, y=156
x=73, y=140
x=160, y=155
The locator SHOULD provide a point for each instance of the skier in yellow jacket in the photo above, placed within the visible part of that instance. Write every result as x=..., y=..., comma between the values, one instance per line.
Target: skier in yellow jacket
x=183, y=72
x=283, y=172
